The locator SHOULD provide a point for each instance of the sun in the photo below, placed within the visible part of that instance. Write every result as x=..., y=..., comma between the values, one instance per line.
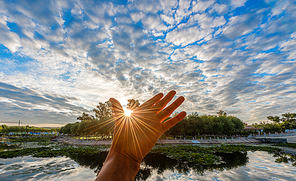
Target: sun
x=127, y=112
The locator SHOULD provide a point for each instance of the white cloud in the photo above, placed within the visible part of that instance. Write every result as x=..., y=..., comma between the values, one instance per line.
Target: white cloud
x=137, y=16
x=213, y=58
x=153, y=22
x=201, y=6
x=280, y=6
x=167, y=19
x=238, y=3
x=242, y=25
x=186, y=36
x=9, y=39
x=219, y=8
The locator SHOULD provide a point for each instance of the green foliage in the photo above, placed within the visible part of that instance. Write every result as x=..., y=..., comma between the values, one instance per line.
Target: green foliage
x=207, y=155
x=22, y=152
x=5, y=146
x=196, y=155
x=290, y=145
x=279, y=124
x=52, y=151
x=25, y=129
x=31, y=139
x=104, y=126
x=102, y=123
x=194, y=124
x=275, y=119
x=272, y=128
x=222, y=113
x=103, y=110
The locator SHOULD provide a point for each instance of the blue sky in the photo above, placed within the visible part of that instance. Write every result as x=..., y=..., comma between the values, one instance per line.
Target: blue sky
x=61, y=58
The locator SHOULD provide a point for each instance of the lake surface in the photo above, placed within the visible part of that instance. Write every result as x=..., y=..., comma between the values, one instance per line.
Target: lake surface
x=257, y=165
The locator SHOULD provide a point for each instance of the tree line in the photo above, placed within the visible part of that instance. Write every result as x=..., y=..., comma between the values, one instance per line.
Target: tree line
x=193, y=125
x=102, y=123
x=25, y=129
x=286, y=121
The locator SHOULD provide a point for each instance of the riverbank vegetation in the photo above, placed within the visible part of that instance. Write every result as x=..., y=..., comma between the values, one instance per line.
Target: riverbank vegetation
x=289, y=145
x=203, y=155
x=29, y=139
x=25, y=130
x=52, y=151
x=286, y=121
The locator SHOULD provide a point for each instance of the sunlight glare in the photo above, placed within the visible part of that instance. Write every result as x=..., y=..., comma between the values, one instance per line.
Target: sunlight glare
x=127, y=112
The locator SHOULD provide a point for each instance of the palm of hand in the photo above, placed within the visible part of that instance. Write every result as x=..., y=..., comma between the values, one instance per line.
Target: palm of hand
x=135, y=135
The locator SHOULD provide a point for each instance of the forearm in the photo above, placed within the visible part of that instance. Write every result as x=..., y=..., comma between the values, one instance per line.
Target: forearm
x=118, y=167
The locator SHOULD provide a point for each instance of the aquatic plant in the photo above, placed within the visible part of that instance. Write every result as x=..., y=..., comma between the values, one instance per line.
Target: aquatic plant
x=30, y=139
x=53, y=151
x=5, y=146
x=207, y=155
x=290, y=145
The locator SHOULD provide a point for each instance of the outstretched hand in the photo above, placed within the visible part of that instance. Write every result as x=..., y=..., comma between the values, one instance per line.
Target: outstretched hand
x=135, y=135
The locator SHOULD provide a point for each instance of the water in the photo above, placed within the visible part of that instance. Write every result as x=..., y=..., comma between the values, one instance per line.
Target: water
x=257, y=165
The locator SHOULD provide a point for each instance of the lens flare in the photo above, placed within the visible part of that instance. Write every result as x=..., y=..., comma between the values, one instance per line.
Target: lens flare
x=127, y=112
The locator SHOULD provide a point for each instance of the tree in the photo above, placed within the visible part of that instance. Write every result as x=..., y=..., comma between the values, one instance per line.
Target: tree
x=287, y=121
x=74, y=128
x=132, y=104
x=275, y=119
x=227, y=126
x=195, y=124
x=222, y=113
x=238, y=124
x=289, y=118
x=272, y=128
x=103, y=110
x=66, y=129
x=85, y=116
x=101, y=123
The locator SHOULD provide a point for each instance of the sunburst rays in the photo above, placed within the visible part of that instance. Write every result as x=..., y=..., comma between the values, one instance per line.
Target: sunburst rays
x=127, y=112
x=128, y=129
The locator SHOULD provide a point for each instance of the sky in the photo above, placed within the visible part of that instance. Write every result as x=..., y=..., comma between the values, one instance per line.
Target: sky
x=59, y=58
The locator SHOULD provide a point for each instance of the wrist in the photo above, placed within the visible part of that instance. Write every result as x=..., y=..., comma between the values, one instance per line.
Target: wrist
x=123, y=159
x=118, y=166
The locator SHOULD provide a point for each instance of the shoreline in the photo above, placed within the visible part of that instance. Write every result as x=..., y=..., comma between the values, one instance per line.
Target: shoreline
x=79, y=142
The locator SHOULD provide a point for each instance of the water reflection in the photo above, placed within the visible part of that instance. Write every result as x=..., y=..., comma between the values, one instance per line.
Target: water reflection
x=53, y=168
x=91, y=161
x=160, y=163
x=257, y=165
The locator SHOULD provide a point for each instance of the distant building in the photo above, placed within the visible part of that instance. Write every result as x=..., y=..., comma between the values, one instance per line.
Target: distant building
x=251, y=128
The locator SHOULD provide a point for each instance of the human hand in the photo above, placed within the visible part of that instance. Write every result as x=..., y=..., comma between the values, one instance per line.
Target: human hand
x=135, y=135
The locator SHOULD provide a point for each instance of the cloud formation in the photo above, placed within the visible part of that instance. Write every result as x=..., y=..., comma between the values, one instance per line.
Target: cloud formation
x=60, y=58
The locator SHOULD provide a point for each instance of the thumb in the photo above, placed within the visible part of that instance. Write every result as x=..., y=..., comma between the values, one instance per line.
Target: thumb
x=117, y=108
